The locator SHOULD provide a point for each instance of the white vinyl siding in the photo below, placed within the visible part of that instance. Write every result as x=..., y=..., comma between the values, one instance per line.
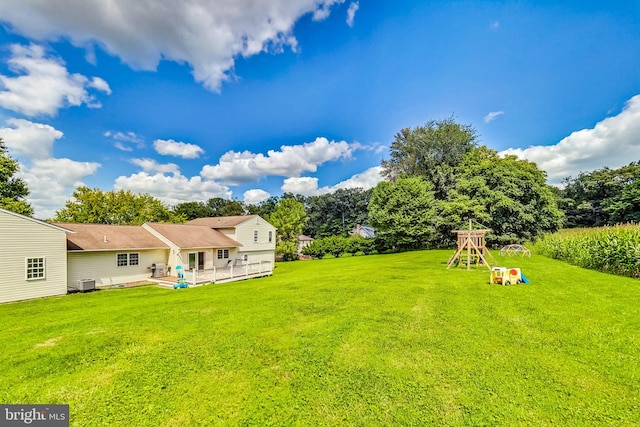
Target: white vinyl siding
x=100, y=266
x=262, y=250
x=23, y=239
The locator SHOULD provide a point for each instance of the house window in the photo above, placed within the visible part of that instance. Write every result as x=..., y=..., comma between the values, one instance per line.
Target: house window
x=123, y=260
x=35, y=268
x=270, y=236
x=134, y=259
x=255, y=236
x=223, y=253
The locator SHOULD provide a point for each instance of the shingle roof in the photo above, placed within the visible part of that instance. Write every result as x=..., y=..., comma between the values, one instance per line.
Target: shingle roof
x=221, y=221
x=194, y=236
x=102, y=237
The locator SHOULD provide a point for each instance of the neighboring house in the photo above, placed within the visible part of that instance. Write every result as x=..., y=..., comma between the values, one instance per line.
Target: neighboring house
x=112, y=254
x=364, y=231
x=33, y=258
x=303, y=242
x=255, y=236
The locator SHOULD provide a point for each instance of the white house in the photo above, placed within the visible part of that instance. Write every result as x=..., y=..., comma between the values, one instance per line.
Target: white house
x=256, y=237
x=111, y=254
x=40, y=259
x=303, y=242
x=33, y=258
x=194, y=246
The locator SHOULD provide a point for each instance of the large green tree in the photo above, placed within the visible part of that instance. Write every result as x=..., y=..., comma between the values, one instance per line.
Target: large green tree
x=94, y=206
x=337, y=213
x=601, y=197
x=13, y=189
x=193, y=210
x=432, y=151
x=404, y=213
x=508, y=195
x=225, y=207
x=264, y=208
x=289, y=218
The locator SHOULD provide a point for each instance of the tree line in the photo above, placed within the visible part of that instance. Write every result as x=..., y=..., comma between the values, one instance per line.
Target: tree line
x=437, y=177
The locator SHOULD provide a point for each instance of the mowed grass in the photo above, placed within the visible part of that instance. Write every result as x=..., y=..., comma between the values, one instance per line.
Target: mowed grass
x=363, y=341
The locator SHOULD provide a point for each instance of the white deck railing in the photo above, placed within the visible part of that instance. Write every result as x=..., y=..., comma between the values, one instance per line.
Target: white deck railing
x=230, y=273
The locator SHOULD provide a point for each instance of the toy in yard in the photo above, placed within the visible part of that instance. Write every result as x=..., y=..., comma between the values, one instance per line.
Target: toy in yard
x=507, y=276
x=181, y=282
x=472, y=241
x=512, y=250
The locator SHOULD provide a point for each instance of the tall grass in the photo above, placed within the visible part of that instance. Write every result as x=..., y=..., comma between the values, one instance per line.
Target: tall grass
x=613, y=249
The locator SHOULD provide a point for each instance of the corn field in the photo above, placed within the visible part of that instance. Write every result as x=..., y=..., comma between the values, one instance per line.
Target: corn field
x=613, y=249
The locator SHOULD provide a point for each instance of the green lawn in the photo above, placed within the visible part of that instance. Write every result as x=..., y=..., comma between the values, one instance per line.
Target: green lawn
x=364, y=341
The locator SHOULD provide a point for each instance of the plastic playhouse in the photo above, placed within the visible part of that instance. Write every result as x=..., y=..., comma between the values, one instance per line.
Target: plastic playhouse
x=507, y=276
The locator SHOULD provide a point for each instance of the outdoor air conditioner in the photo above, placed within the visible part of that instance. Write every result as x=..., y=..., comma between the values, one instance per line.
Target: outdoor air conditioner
x=85, y=285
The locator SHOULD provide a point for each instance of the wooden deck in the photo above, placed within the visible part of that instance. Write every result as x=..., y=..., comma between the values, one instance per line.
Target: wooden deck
x=218, y=275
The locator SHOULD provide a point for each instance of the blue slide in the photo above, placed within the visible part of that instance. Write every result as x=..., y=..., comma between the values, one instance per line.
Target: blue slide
x=524, y=278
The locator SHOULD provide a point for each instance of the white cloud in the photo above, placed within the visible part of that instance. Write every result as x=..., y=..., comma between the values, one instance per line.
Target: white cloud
x=50, y=180
x=125, y=140
x=351, y=12
x=238, y=168
x=172, y=189
x=613, y=142
x=208, y=35
x=308, y=186
x=177, y=149
x=28, y=139
x=304, y=185
x=100, y=84
x=150, y=165
x=43, y=85
x=255, y=196
x=492, y=116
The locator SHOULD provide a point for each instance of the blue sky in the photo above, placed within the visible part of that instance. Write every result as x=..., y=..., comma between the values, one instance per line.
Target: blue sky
x=246, y=99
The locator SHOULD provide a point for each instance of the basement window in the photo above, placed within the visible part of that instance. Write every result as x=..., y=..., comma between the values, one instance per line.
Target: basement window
x=35, y=268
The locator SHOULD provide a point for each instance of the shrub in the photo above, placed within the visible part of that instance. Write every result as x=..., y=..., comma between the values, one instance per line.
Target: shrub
x=338, y=245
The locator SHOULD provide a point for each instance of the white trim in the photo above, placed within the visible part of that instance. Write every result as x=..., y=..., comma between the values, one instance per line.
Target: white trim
x=35, y=269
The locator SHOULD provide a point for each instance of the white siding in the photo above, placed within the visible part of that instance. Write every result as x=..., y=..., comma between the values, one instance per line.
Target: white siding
x=101, y=266
x=22, y=238
x=262, y=250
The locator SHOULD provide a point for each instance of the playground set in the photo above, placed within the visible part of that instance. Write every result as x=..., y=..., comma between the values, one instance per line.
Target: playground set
x=472, y=250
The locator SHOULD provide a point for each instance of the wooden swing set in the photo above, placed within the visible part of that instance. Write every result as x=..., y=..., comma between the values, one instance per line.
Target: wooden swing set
x=473, y=242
